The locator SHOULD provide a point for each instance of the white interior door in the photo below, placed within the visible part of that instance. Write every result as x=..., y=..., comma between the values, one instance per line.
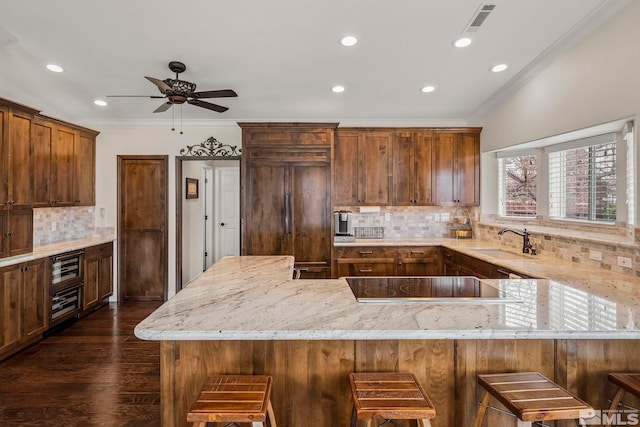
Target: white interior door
x=227, y=207
x=209, y=230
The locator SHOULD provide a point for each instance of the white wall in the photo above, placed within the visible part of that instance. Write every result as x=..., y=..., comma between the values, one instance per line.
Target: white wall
x=597, y=81
x=148, y=141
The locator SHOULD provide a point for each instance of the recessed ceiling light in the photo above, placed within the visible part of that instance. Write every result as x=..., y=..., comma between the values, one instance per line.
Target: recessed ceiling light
x=428, y=89
x=462, y=42
x=348, y=41
x=100, y=102
x=55, y=68
x=498, y=68
x=338, y=89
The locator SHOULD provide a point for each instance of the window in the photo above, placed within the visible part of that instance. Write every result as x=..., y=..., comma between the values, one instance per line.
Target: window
x=517, y=182
x=582, y=179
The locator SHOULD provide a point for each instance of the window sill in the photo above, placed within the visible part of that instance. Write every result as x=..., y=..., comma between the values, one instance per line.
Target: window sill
x=605, y=234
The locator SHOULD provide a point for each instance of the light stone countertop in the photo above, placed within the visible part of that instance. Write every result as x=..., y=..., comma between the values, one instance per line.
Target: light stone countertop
x=253, y=298
x=55, y=249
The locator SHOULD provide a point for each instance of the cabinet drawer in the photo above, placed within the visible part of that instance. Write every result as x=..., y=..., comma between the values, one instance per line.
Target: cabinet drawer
x=379, y=267
x=365, y=252
x=99, y=251
x=418, y=252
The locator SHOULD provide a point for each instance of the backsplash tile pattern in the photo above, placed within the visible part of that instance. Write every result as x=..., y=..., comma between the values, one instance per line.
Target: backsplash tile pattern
x=568, y=248
x=53, y=225
x=409, y=222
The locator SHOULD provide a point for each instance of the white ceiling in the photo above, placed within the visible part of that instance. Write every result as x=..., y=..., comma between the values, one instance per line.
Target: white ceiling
x=282, y=56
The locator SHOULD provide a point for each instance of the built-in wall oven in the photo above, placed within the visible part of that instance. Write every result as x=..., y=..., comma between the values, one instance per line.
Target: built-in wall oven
x=67, y=282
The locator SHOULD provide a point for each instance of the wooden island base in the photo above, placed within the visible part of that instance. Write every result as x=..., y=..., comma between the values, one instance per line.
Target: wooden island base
x=311, y=378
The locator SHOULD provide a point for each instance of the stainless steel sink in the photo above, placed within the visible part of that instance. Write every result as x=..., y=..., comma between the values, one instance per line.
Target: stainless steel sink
x=498, y=253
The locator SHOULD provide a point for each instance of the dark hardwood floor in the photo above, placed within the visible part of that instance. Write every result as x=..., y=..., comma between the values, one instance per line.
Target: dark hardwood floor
x=93, y=373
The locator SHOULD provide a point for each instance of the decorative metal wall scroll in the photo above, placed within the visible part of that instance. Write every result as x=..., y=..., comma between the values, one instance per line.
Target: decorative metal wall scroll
x=211, y=148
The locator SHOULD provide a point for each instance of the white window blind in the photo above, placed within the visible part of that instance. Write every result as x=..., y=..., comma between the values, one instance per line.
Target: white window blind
x=582, y=179
x=631, y=210
x=517, y=185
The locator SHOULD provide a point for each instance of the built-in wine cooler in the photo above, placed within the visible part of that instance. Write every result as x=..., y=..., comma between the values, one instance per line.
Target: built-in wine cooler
x=67, y=285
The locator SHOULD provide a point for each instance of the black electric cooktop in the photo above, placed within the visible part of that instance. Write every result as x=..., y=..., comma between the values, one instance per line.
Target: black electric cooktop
x=424, y=289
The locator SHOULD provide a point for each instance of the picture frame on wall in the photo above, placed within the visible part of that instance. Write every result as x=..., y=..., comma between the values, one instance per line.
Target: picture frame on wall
x=191, y=188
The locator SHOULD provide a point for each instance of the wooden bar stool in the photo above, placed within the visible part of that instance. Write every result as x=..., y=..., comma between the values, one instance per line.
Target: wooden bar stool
x=389, y=396
x=234, y=399
x=531, y=397
x=626, y=383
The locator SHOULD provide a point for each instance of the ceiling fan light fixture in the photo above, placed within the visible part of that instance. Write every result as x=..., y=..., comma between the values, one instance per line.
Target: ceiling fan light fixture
x=55, y=68
x=427, y=89
x=462, y=42
x=338, y=89
x=348, y=41
x=499, y=68
x=100, y=102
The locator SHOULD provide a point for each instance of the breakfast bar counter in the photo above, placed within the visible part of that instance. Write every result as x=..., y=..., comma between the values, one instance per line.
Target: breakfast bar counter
x=245, y=315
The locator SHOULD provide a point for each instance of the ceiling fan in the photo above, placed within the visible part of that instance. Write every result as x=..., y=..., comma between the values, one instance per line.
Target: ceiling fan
x=177, y=91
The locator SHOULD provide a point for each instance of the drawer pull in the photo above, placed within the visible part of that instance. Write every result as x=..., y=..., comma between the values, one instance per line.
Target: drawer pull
x=366, y=271
x=417, y=252
x=366, y=252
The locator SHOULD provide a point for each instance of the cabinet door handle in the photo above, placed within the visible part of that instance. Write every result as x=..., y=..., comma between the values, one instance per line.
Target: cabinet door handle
x=287, y=214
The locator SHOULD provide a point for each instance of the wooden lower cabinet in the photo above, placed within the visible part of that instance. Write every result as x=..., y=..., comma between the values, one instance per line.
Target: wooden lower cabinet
x=311, y=378
x=388, y=261
x=16, y=232
x=98, y=275
x=24, y=300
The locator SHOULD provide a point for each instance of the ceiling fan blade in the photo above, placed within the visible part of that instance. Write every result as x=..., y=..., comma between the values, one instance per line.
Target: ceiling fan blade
x=224, y=93
x=208, y=105
x=135, y=96
x=163, y=107
x=161, y=85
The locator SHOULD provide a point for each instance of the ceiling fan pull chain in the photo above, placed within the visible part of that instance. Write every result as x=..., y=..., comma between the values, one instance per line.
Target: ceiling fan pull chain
x=173, y=126
x=180, y=119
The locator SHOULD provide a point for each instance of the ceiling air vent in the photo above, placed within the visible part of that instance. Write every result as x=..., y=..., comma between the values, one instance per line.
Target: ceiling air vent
x=479, y=17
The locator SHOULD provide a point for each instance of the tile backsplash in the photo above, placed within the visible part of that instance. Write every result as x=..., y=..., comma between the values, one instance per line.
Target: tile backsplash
x=52, y=225
x=409, y=222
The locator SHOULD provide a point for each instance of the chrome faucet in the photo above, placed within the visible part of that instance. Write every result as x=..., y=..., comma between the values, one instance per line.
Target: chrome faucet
x=526, y=243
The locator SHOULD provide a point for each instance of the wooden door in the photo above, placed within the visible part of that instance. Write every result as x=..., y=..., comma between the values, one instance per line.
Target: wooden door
x=62, y=167
x=85, y=170
x=345, y=169
x=41, y=138
x=10, y=279
x=423, y=153
x=267, y=226
x=142, y=227
x=35, y=299
x=311, y=212
x=443, y=168
x=374, y=166
x=403, y=169
x=18, y=228
x=18, y=156
x=468, y=169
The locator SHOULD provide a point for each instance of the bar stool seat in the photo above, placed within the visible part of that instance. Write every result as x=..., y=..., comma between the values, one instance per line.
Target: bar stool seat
x=626, y=383
x=389, y=396
x=531, y=397
x=234, y=399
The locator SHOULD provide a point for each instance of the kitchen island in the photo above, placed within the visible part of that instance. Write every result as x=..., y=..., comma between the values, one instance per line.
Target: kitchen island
x=246, y=316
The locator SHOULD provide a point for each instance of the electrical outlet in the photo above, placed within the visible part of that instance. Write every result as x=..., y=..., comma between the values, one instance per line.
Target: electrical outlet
x=54, y=226
x=387, y=216
x=436, y=217
x=624, y=262
x=595, y=255
x=444, y=217
x=101, y=212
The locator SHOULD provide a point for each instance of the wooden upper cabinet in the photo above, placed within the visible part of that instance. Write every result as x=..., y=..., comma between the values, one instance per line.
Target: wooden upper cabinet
x=412, y=165
x=17, y=158
x=85, y=170
x=362, y=165
x=64, y=164
x=345, y=168
x=456, y=167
